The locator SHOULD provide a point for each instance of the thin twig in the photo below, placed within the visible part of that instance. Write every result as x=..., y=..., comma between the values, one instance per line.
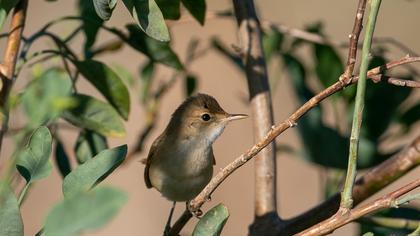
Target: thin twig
x=339, y=219
x=354, y=39
x=346, y=197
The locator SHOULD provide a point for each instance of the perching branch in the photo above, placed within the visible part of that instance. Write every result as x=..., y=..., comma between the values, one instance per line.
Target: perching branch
x=388, y=201
x=7, y=68
x=252, y=55
x=346, y=197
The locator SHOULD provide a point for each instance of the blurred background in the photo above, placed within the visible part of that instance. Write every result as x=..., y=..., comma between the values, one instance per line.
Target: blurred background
x=301, y=183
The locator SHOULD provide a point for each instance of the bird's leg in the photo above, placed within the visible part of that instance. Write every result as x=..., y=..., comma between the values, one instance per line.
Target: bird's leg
x=196, y=213
x=168, y=223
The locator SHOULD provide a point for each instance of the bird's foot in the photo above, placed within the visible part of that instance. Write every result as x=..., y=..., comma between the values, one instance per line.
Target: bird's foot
x=196, y=213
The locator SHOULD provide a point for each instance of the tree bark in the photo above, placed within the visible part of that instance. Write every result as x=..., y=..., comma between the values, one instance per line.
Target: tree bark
x=266, y=220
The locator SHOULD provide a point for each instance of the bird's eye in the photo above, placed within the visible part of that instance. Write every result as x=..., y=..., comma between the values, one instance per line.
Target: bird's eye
x=205, y=117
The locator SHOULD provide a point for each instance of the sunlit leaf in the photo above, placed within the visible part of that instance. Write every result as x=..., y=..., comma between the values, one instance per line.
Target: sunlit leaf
x=32, y=162
x=108, y=83
x=84, y=211
x=157, y=51
x=123, y=73
x=169, y=8
x=62, y=159
x=93, y=171
x=212, y=223
x=104, y=8
x=149, y=17
x=11, y=223
x=88, y=144
x=197, y=8
x=47, y=97
x=95, y=115
x=5, y=7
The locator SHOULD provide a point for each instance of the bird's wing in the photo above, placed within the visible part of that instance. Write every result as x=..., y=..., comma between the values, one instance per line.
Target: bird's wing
x=149, y=161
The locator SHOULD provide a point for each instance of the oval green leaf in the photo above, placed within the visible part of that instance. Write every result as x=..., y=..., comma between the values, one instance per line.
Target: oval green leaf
x=104, y=8
x=149, y=17
x=93, y=171
x=212, y=222
x=84, y=211
x=95, y=115
x=32, y=161
x=108, y=83
x=11, y=223
x=47, y=96
x=88, y=144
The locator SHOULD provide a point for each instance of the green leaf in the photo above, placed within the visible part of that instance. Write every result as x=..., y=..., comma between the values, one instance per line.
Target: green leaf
x=84, y=211
x=95, y=115
x=190, y=84
x=197, y=8
x=328, y=64
x=157, y=51
x=62, y=159
x=104, y=8
x=169, y=8
x=148, y=16
x=123, y=73
x=93, y=171
x=47, y=97
x=146, y=76
x=88, y=144
x=91, y=23
x=5, y=7
x=108, y=83
x=272, y=40
x=11, y=223
x=368, y=234
x=32, y=161
x=212, y=222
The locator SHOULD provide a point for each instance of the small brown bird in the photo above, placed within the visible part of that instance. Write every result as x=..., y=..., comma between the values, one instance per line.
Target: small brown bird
x=180, y=161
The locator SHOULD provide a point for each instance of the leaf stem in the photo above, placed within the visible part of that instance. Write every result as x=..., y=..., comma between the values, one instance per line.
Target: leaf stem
x=23, y=193
x=346, y=196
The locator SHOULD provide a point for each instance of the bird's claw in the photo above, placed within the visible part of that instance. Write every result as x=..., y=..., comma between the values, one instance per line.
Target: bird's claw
x=195, y=212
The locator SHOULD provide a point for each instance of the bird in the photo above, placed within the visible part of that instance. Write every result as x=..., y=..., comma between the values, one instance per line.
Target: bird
x=180, y=161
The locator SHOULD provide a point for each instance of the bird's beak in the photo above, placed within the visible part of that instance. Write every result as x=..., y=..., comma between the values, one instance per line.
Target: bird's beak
x=231, y=117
